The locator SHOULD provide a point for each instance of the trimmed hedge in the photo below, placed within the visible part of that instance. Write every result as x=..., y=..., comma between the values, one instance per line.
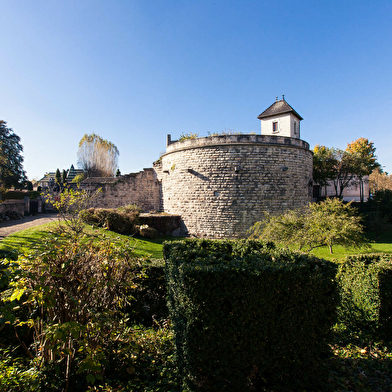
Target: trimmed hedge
x=366, y=291
x=149, y=303
x=248, y=317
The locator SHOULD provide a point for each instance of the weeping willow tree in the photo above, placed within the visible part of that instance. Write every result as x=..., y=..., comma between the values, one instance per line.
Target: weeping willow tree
x=97, y=157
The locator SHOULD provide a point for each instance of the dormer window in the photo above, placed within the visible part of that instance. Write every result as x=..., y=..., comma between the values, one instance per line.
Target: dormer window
x=275, y=126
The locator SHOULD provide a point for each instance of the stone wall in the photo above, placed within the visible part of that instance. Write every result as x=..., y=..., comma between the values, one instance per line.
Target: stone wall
x=141, y=188
x=16, y=206
x=221, y=185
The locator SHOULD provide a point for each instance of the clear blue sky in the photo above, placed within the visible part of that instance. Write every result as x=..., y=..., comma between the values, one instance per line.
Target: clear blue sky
x=134, y=71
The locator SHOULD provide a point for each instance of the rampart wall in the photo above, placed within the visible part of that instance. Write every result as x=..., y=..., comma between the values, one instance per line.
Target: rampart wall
x=219, y=185
x=141, y=188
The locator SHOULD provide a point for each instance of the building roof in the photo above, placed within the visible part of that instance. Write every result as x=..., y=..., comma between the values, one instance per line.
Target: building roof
x=48, y=176
x=278, y=107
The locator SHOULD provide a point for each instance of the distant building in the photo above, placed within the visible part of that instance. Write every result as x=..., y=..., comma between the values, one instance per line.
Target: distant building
x=49, y=179
x=350, y=193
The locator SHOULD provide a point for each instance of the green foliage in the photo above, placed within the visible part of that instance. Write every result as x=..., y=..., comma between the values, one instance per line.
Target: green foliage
x=246, y=316
x=149, y=294
x=147, y=232
x=69, y=203
x=11, y=159
x=328, y=223
x=58, y=177
x=324, y=164
x=74, y=293
x=16, y=376
x=64, y=176
x=79, y=178
x=366, y=291
x=187, y=136
x=122, y=221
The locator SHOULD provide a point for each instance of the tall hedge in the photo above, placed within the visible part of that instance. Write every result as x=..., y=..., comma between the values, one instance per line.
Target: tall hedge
x=366, y=291
x=248, y=317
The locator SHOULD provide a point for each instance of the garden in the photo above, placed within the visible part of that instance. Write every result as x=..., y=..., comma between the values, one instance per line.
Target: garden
x=84, y=308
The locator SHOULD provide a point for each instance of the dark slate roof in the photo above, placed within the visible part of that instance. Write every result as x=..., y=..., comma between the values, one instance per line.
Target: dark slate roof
x=48, y=176
x=278, y=107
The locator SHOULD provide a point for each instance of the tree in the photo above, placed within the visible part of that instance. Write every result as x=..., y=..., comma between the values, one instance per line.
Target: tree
x=11, y=160
x=64, y=176
x=363, y=155
x=344, y=171
x=97, y=157
x=379, y=181
x=58, y=176
x=324, y=164
x=332, y=164
x=327, y=223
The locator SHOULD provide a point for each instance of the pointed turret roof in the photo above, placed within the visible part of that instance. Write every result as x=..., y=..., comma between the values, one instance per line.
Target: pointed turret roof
x=278, y=107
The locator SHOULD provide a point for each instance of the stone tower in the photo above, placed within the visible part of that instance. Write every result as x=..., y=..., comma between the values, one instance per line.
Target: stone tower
x=280, y=119
x=221, y=185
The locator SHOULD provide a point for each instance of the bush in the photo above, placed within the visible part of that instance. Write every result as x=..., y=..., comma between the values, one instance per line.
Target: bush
x=248, y=317
x=74, y=295
x=122, y=221
x=148, y=232
x=328, y=223
x=366, y=291
x=149, y=303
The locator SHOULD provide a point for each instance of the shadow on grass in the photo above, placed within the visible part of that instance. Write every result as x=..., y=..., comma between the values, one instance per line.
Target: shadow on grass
x=384, y=237
x=361, y=361
x=24, y=241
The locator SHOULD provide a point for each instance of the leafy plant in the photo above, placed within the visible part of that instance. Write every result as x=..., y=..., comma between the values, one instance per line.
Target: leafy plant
x=186, y=136
x=74, y=293
x=69, y=203
x=328, y=223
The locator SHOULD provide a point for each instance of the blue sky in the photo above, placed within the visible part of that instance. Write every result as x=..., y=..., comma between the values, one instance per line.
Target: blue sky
x=134, y=71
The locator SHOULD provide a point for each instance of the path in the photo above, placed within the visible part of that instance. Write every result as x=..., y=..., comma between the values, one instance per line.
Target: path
x=12, y=226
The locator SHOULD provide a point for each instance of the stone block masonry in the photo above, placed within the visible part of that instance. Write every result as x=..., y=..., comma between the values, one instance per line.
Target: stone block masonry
x=222, y=185
x=141, y=188
x=219, y=185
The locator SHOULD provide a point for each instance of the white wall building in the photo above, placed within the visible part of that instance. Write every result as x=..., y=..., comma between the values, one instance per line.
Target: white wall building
x=350, y=193
x=280, y=119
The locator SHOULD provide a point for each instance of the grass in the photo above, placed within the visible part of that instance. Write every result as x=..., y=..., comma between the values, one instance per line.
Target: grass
x=23, y=241
x=360, y=362
x=378, y=243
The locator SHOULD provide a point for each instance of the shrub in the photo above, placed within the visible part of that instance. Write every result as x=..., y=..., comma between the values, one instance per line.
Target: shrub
x=148, y=232
x=186, y=136
x=327, y=223
x=149, y=303
x=75, y=294
x=366, y=291
x=248, y=317
x=122, y=221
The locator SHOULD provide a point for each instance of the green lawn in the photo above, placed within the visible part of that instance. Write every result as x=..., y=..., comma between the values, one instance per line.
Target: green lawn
x=378, y=243
x=25, y=240
x=359, y=363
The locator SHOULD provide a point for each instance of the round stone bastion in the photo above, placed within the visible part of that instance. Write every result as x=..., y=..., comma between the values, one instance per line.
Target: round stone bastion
x=221, y=185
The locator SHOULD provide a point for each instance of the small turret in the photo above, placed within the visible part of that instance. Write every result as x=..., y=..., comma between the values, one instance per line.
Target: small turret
x=280, y=119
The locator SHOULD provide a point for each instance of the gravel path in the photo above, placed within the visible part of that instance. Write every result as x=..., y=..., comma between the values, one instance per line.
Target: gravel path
x=12, y=226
